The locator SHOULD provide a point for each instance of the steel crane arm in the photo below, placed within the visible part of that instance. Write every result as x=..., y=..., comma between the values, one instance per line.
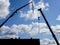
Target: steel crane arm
x=53, y=35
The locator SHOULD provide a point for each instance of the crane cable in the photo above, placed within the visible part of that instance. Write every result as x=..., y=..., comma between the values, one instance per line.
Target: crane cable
x=53, y=35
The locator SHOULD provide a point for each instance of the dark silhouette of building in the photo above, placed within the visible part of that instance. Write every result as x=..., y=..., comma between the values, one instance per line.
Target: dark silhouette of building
x=20, y=41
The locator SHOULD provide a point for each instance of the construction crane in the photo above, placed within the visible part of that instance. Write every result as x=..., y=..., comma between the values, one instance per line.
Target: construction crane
x=53, y=35
x=24, y=41
x=14, y=14
x=38, y=18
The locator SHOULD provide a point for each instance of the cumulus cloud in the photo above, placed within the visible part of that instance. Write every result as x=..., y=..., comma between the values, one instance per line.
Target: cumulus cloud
x=39, y=28
x=4, y=8
x=45, y=30
x=32, y=29
x=9, y=37
x=58, y=18
x=35, y=29
x=4, y=29
x=47, y=42
x=42, y=28
x=20, y=28
x=41, y=5
x=56, y=29
x=34, y=13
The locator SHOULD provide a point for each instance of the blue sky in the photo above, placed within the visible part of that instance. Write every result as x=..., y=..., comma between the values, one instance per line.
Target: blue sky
x=14, y=4
x=13, y=7
x=28, y=22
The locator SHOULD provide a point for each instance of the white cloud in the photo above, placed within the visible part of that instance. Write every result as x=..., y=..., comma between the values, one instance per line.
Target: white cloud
x=20, y=28
x=35, y=28
x=47, y=42
x=14, y=30
x=9, y=37
x=45, y=30
x=33, y=14
x=31, y=29
x=56, y=28
x=30, y=16
x=42, y=28
x=42, y=25
x=58, y=18
x=4, y=29
x=4, y=8
x=42, y=5
x=39, y=28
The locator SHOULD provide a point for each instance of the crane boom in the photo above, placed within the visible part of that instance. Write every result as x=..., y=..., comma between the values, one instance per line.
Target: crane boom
x=13, y=14
x=53, y=35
